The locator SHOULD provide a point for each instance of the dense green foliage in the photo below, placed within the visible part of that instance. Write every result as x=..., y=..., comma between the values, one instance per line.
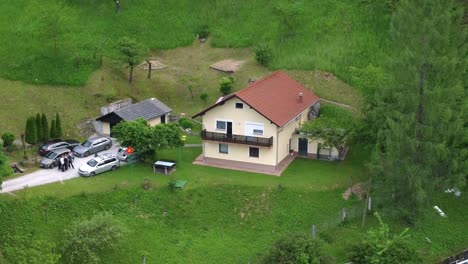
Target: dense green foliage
x=226, y=84
x=420, y=147
x=131, y=53
x=53, y=42
x=45, y=127
x=146, y=139
x=26, y=249
x=298, y=248
x=335, y=126
x=30, y=133
x=383, y=247
x=204, y=97
x=58, y=127
x=8, y=139
x=5, y=168
x=263, y=53
x=39, y=131
x=85, y=240
x=185, y=122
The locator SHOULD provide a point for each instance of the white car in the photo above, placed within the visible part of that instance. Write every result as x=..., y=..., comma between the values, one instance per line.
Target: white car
x=99, y=164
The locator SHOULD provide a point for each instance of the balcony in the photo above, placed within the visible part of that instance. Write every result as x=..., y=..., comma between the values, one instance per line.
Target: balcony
x=237, y=139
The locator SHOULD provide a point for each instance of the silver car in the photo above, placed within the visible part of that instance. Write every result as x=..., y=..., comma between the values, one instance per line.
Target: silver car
x=99, y=164
x=51, y=160
x=92, y=145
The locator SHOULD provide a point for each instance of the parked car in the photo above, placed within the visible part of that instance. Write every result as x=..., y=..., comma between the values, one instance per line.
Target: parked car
x=52, y=158
x=123, y=155
x=99, y=164
x=92, y=145
x=57, y=144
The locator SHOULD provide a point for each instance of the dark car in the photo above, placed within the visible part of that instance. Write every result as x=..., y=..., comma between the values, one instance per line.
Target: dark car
x=57, y=144
x=92, y=145
x=51, y=160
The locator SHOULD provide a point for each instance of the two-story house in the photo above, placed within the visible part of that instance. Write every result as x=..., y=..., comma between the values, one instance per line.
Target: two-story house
x=256, y=129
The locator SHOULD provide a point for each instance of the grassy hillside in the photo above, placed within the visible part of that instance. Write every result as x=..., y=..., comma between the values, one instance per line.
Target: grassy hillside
x=58, y=42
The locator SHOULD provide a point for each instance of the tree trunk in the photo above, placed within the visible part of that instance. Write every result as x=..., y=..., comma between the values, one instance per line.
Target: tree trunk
x=130, y=78
x=149, y=69
x=25, y=154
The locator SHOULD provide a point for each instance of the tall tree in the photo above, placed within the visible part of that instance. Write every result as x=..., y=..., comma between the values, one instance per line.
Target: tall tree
x=58, y=126
x=53, y=131
x=30, y=133
x=39, y=131
x=131, y=52
x=418, y=149
x=45, y=127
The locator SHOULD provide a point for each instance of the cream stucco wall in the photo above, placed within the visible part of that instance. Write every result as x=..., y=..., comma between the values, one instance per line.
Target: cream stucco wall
x=287, y=132
x=239, y=118
x=157, y=120
x=105, y=128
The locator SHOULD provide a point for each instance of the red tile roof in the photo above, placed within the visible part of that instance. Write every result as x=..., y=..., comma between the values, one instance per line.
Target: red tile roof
x=277, y=97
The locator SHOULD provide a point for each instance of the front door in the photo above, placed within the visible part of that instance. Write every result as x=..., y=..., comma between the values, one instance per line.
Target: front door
x=229, y=130
x=303, y=144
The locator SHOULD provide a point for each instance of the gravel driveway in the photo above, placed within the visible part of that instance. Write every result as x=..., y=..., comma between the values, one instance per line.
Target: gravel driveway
x=45, y=176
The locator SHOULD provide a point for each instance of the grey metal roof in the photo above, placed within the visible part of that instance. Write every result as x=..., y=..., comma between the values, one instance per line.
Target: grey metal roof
x=147, y=109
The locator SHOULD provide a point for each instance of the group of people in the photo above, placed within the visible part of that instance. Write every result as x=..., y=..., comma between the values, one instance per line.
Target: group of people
x=66, y=162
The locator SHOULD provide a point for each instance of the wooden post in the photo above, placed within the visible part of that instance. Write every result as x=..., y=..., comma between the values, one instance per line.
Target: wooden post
x=149, y=69
x=314, y=231
x=369, y=204
x=143, y=259
x=343, y=218
x=366, y=204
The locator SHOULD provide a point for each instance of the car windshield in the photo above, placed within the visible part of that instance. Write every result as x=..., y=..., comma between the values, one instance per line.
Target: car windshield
x=92, y=163
x=51, y=155
x=87, y=143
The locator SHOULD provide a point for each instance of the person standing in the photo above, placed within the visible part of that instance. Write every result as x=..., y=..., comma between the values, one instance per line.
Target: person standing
x=70, y=160
x=65, y=158
x=62, y=163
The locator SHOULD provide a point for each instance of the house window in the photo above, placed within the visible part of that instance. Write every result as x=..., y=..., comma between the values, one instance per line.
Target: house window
x=254, y=152
x=223, y=148
x=258, y=131
x=221, y=125
x=239, y=105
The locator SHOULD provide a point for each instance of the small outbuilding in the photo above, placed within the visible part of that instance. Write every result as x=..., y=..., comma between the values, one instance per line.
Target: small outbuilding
x=152, y=110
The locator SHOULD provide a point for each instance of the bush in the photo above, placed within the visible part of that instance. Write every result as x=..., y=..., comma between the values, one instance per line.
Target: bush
x=297, y=249
x=26, y=249
x=8, y=139
x=147, y=184
x=203, y=32
x=226, y=84
x=83, y=240
x=263, y=54
x=204, y=97
x=185, y=123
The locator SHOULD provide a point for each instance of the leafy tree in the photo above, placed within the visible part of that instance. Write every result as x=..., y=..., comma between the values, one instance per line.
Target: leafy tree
x=263, y=54
x=296, y=249
x=381, y=247
x=58, y=126
x=226, y=84
x=288, y=16
x=45, y=127
x=27, y=250
x=53, y=23
x=5, y=168
x=204, y=97
x=131, y=52
x=53, y=131
x=145, y=139
x=85, y=240
x=335, y=126
x=420, y=147
x=39, y=130
x=30, y=134
x=8, y=139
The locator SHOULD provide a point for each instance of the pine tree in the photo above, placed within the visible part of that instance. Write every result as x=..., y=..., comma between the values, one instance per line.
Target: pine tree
x=30, y=131
x=415, y=153
x=58, y=126
x=39, y=131
x=53, y=131
x=45, y=127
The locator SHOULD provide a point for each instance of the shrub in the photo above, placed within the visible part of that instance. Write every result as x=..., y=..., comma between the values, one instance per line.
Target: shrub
x=263, y=54
x=147, y=184
x=203, y=32
x=26, y=249
x=30, y=134
x=297, y=249
x=185, y=123
x=204, y=97
x=8, y=139
x=226, y=84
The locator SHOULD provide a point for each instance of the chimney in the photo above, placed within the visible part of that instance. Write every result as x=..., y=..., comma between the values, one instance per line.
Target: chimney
x=301, y=95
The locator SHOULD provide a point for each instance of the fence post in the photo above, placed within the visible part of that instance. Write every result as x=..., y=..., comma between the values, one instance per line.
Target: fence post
x=343, y=218
x=314, y=231
x=144, y=259
x=369, y=204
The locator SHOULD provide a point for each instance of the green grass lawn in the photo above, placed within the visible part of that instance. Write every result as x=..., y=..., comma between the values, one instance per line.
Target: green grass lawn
x=221, y=215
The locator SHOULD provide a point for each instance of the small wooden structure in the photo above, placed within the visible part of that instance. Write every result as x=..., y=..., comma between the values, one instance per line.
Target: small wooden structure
x=228, y=66
x=164, y=167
